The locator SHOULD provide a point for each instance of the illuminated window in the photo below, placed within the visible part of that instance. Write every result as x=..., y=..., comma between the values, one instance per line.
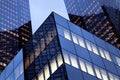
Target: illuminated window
x=74, y=37
x=107, y=55
x=40, y=76
x=97, y=71
x=74, y=61
x=118, y=61
x=101, y=52
x=81, y=42
x=53, y=65
x=111, y=76
x=88, y=44
x=59, y=60
x=46, y=71
x=94, y=48
x=89, y=68
x=104, y=74
x=66, y=57
x=82, y=65
x=67, y=34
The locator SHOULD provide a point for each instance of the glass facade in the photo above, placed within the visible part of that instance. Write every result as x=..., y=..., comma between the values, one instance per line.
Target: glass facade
x=93, y=61
x=15, y=28
x=15, y=69
x=60, y=50
x=112, y=8
x=96, y=18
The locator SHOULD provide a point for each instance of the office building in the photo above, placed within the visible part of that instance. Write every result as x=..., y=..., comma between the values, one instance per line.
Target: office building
x=15, y=28
x=61, y=50
x=100, y=17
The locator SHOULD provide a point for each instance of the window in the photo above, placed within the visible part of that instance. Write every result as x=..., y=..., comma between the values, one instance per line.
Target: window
x=101, y=52
x=67, y=34
x=105, y=54
x=66, y=57
x=59, y=60
x=73, y=59
x=118, y=61
x=40, y=76
x=53, y=65
x=94, y=48
x=89, y=68
x=46, y=71
x=88, y=44
x=74, y=37
x=82, y=65
x=97, y=71
x=81, y=42
x=104, y=74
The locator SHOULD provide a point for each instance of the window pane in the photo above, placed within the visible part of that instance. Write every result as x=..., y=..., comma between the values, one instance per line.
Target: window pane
x=104, y=74
x=88, y=44
x=94, y=48
x=53, y=65
x=89, y=68
x=107, y=55
x=81, y=42
x=82, y=65
x=67, y=34
x=59, y=60
x=74, y=61
x=101, y=52
x=46, y=71
x=40, y=76
x=74, y=37
x=118, y=60
x=66, y=58
x=97, y=71
x=111, y=76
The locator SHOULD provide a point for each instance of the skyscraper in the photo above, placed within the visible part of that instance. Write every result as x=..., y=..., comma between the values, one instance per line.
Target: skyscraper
x=15, y=28
x=61, y=50
x=96, y=17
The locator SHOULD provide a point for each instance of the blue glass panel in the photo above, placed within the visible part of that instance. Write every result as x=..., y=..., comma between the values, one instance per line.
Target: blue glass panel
x=67, y=45
x=82, y=52
x=73, y=73
x=97, y=60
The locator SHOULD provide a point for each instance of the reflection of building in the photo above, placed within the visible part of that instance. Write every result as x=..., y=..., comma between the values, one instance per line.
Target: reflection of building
x=97, y=18
x=15, y=28
x=60, y=50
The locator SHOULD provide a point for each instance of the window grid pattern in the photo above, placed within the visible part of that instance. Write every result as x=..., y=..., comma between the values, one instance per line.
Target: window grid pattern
x=89, y=68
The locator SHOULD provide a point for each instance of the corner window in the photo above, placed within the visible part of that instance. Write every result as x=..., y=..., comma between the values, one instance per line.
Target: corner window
x=59, y=60
x=66, y=57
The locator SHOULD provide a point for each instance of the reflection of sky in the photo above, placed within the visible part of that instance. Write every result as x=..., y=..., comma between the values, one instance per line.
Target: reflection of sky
x=40, y=9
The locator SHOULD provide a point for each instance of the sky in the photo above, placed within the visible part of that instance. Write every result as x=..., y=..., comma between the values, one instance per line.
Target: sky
x=40, y=10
